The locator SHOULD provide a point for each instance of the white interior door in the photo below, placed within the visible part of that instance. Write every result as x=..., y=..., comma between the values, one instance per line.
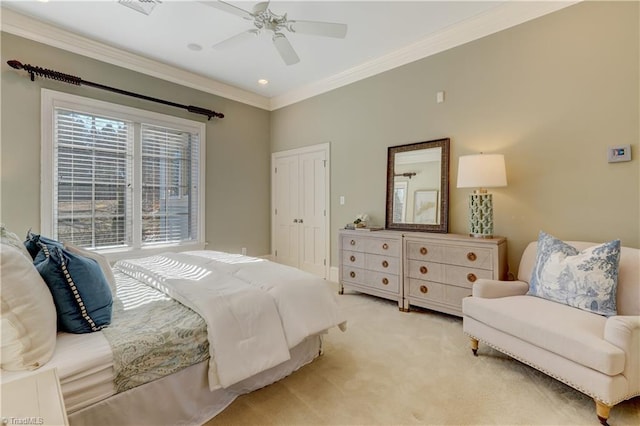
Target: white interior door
x=300, y=223
x=312, y=213
x=286, y=196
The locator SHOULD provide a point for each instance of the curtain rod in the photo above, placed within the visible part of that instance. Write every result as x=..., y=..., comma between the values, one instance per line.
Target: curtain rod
x=71, y=79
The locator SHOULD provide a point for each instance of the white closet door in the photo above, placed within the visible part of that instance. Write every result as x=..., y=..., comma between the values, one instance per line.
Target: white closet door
x=286, y=195
x=312, y=213
x=300, y=224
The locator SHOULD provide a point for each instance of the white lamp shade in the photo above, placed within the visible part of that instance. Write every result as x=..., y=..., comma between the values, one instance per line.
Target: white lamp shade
x=481, y=171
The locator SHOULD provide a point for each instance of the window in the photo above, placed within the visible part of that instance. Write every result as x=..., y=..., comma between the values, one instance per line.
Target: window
x=116, y=177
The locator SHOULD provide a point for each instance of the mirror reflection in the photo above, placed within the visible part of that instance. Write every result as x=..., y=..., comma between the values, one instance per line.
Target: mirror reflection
x=417, y=186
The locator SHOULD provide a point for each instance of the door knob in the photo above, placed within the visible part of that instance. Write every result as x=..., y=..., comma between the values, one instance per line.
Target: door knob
x=299, y=220
x=295, y=220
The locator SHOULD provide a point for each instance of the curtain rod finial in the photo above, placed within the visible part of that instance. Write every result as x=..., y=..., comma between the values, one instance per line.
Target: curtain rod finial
x=15, y=64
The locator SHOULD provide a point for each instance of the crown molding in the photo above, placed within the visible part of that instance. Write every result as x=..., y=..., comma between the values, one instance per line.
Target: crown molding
x=29, y=28
x=501, y=17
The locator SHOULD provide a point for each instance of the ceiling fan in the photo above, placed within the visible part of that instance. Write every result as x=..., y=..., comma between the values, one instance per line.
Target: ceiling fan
x=265, y=20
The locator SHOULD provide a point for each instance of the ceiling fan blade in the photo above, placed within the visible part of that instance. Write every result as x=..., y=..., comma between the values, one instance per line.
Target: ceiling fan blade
x=327, y=29
x=226, y=7
x=236, y=39
x=260, y=7
x=285, y=49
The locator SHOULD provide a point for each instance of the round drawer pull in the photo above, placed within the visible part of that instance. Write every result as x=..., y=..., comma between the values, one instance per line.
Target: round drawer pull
x=385, y=264
x=352, y=258
x=471, y=256
x=423, y=251
x=352, y=274
x=353, y=242
x=385, y=281
x=424, y=289
x=471, y=277
x=423, y=270
x=385, y=246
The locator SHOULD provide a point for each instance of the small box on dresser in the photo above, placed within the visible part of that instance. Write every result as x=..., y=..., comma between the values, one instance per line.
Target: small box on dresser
x=371, y=263
x=440, y=269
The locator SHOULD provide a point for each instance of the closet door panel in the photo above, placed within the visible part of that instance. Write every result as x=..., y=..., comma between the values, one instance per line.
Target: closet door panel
x=287, y=238
x=312, y=212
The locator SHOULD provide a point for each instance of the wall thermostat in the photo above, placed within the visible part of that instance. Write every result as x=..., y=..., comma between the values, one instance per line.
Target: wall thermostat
x=619, y=153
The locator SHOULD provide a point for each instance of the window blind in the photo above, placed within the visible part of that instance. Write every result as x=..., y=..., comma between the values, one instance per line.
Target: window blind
x=93, y=206
x=170, y=176
x=120, y=179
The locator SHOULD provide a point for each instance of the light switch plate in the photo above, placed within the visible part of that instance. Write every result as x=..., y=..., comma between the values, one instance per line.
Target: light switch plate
x=616, y=154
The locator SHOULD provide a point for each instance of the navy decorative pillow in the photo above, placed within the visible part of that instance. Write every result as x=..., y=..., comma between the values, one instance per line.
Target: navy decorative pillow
x=79, y=288
x=33, y=246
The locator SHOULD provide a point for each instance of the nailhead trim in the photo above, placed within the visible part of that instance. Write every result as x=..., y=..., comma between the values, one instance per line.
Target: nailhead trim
x=74, y=289
x=563, y=380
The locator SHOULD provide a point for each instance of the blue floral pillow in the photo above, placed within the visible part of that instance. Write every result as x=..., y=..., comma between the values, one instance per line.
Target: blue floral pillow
x=584, y=279
x=79, y=288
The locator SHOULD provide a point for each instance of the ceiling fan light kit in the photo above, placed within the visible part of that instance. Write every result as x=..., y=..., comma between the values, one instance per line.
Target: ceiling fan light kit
x=265, y=20
x=142, y=6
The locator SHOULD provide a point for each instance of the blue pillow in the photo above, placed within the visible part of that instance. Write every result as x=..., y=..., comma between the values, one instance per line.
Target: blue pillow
x=79, y=288
x=33, y=246
x=586, y=279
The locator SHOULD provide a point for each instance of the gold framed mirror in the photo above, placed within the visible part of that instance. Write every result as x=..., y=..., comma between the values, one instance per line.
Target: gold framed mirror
x=418, y=186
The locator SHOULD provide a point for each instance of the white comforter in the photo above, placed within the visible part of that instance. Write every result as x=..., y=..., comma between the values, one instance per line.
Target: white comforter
x=255, y=310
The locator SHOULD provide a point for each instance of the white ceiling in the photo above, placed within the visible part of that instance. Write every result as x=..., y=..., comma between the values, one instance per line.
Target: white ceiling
x=381, y=35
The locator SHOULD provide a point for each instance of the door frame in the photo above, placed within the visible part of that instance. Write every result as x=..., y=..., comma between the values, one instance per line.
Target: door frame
x=326, y=147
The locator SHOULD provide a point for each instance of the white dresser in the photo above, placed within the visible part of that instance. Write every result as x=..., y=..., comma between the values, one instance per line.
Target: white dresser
x=440, y=269
x=434, y=271
x=371, y=262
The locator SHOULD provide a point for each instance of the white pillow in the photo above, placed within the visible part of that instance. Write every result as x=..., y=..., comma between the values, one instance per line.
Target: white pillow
x=12, y=239
x=102, y=261
x=27, y=314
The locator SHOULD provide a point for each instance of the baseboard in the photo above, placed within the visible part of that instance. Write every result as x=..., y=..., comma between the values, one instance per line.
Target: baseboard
x=334, y=274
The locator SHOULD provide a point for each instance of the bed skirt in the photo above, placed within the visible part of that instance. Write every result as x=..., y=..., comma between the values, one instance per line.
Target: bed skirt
x=184, y=398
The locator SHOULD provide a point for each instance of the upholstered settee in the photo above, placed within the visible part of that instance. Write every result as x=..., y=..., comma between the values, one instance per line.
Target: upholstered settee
x=595, y=354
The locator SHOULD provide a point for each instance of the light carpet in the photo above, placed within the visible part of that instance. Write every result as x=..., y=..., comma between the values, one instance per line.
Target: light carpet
x=395, y=368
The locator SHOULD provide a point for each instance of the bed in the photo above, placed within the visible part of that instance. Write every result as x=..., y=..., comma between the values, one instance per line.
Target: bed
x=188, y=333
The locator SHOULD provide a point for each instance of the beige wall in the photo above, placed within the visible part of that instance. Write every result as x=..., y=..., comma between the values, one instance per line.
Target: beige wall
x=551, y=95
x=238, y=152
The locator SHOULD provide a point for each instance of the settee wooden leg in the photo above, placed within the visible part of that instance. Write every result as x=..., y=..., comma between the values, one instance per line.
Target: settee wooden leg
x=474, y=346
x=602, y=410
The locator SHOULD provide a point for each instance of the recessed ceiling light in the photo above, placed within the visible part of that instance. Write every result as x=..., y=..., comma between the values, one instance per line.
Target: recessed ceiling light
x=194, y=46
x=263, y=81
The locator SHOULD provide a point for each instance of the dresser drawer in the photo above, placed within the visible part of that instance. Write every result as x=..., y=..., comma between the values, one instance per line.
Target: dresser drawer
x=464, y=277
x=425, y=250
x=354, y=259
x=426, y=270
x=354, y=275
x=384, y=246
x=426, y=290
x=453, y=295
x=472, y=257
x=382, y=281
x=353, y=243
x=380, y=263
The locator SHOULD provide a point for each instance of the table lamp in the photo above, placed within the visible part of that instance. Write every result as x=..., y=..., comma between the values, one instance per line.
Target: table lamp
x=481, y=171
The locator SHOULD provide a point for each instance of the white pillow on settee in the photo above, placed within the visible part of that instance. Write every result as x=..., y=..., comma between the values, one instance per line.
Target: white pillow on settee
x=27, y=313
